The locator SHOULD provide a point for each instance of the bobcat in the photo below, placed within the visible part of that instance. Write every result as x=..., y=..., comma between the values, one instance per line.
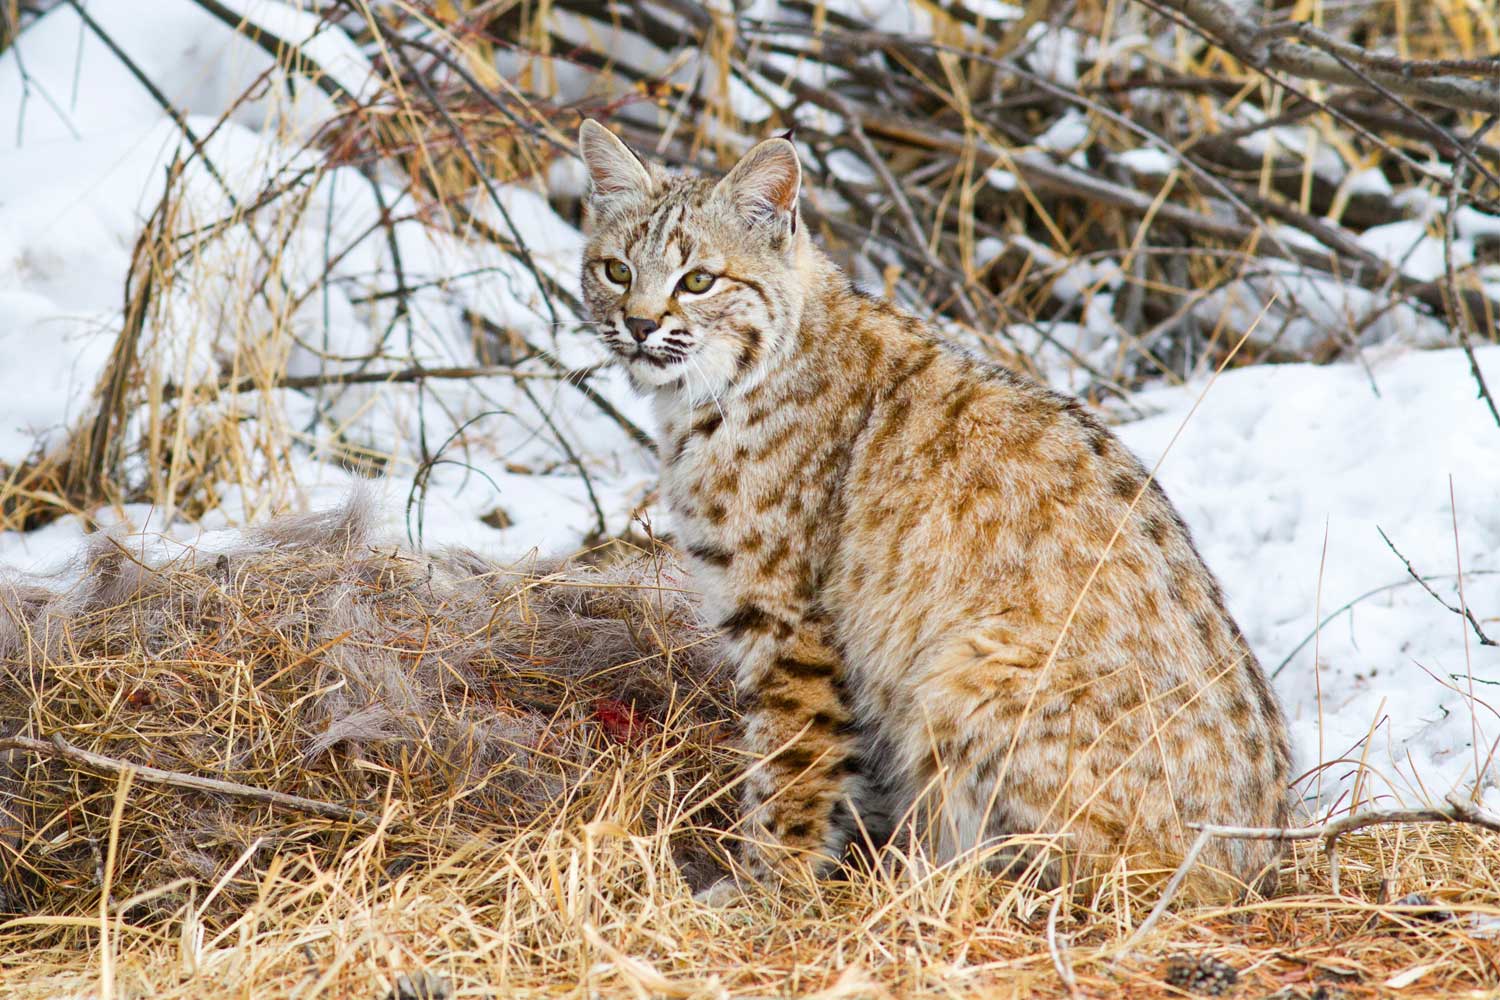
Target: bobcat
x=949, y=593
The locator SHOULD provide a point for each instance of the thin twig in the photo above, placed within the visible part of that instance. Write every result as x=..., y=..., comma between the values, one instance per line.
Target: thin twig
x=903, y=205
x=522, y=251
x=90, y=471
x=172, y=111
x=1346, y=606
x=1055, y=948
x=1465, y=613
x=1457, y=306
x=251, y=383
x=604, y=406
x=1169, y=891
x=1463, y=602
x=290, y=55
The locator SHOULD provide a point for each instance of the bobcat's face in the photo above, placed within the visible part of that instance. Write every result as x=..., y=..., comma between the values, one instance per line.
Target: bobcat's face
x=691, y=284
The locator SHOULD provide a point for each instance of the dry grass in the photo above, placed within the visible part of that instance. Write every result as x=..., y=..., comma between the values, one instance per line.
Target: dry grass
x=533, y=834
x=589, y=908
x=544, y=765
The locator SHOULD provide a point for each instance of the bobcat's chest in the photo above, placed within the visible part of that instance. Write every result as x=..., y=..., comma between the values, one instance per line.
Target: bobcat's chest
x=730, y=477
x=704, y=475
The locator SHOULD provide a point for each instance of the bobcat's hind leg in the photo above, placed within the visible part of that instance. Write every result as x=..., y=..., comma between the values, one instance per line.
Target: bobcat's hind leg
x=879, y=799
x=986, y=745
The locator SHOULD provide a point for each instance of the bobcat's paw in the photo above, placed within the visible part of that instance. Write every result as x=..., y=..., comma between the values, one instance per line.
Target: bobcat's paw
x=725, y=892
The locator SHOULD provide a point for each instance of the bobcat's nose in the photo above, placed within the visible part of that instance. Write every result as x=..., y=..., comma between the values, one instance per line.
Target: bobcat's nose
x=640, y=328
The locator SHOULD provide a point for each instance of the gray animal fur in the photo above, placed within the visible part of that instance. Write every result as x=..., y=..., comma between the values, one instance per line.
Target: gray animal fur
x=487, y=675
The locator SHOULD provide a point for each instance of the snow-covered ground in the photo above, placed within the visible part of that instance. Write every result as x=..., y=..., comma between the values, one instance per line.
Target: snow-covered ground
x=1284, y=473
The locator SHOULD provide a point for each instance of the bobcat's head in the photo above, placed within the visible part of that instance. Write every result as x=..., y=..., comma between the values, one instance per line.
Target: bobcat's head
x=694, y=285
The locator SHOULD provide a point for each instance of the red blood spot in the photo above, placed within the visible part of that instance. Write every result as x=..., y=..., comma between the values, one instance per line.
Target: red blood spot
x=620, y=722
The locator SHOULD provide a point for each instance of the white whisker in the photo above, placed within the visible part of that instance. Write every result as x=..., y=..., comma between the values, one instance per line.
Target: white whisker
x=707, y=385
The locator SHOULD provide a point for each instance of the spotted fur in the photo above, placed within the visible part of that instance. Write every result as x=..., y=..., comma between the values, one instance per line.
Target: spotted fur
x=951, y=594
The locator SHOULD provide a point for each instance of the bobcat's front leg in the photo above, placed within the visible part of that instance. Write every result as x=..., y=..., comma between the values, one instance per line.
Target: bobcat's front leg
x=794, y=799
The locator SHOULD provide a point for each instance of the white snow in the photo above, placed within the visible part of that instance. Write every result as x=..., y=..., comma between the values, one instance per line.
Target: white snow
x=1408, y=245
x=848, y=167
x=1147, y=161
x=1001, y=179
x=1054, y=53
x=1293, y=311
x=992, y=10
x=1370, y=180
x=1070, y=131
x=1280, y=460
x=72, y=85
x=1472, y=223
x=75, y=194
x=987, y=249
x=1277, y=464
x=1298, y=138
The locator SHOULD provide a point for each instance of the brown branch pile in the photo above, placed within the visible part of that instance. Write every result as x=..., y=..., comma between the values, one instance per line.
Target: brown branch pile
x=1256, y=195
x=1106, y=193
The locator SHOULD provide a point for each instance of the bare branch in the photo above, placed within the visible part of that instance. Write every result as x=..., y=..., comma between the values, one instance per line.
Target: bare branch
x=604, y=406
x=1457, y=810
x=1421, y=68
x=1484, y=640
x=249, y=383
x=1267, y=48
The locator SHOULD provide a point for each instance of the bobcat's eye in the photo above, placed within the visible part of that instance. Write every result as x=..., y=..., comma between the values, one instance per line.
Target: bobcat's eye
x=697, y=281
x=617, y=271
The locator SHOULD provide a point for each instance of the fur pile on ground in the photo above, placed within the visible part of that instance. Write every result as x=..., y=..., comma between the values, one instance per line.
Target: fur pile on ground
x=447, y=695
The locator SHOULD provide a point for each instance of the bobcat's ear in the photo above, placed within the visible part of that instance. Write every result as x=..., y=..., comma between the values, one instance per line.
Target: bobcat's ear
x=616, y=174
x=763, y=186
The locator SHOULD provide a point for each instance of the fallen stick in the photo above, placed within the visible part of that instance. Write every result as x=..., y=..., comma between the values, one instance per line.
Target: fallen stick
x=250, y=383
x=1456, y=811
x=57, y=747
